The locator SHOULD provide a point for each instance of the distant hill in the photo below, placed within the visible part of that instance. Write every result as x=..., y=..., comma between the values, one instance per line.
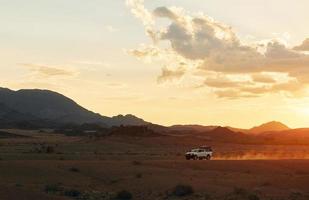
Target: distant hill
x=269, y=127
x=198, y=128
x=54, y=108
x=223, y=133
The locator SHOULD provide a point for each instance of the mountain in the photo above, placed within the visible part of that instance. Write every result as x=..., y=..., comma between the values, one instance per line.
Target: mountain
x=224, y=134
x=52, y=107
x=126, y=120
x=269, y=127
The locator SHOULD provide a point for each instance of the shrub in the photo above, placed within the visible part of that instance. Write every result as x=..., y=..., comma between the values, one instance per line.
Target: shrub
x=53, y=188
x=50, y=149
x=295, y=195
x=74, y=169
x=139, y=175
x=239, y=191
x=72, y=193
x=19, y=185
x=183, y=190
x=207, y=197
x=253, y=197
x=42, y=148
x=124, y=195
x=136, y=162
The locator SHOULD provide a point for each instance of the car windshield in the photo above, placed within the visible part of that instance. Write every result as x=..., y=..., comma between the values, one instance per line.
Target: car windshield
x=194, y=150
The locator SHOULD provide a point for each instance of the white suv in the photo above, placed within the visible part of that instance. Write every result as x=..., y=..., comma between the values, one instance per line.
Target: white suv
x=200, y=153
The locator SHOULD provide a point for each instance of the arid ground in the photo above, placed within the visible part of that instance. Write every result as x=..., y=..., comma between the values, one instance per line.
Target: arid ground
x=38, y=165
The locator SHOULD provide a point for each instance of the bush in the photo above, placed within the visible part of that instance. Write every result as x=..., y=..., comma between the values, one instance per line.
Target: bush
x=253, y=197
x=50, y=149
x=239, y=191
x=74, y=169
x=93, y=195
x=19, y=185
x=295, y=195
x=124, y=195
x=72, y=193
x=139, y=175
x=53, y=188
x=207, y=197
x=183, y=190
x=136, y=162
x=42, y=148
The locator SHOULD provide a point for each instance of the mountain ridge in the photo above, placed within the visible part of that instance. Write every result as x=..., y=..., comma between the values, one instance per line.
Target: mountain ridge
x=269, y=127
x=54, y=107
x=45, y=106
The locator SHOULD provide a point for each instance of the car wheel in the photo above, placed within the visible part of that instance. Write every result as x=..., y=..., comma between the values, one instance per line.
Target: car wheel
x=208, y=157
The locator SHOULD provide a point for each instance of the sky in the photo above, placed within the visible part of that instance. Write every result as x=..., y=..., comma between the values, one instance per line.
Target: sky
x=238, y=63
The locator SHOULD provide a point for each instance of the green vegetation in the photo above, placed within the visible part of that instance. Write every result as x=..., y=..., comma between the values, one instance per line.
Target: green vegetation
x=72, y=193
x=53, y=188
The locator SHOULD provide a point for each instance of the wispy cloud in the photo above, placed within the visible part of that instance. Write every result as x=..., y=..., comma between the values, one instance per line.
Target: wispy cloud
x=170, y=75
x=48, y=71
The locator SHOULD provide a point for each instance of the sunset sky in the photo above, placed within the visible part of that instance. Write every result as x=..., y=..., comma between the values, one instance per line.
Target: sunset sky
x=222, y=62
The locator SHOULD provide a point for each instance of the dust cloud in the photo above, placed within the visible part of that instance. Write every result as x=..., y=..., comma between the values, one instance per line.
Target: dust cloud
x=257, y=155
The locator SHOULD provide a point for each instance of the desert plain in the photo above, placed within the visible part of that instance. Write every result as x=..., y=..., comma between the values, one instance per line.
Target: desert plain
x=148, y=168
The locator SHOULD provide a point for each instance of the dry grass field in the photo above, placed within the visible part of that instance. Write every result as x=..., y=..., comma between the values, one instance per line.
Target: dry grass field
x=53, y=166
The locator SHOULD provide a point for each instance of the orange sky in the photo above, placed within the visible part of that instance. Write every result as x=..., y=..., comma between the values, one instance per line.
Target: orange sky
x=169, y=62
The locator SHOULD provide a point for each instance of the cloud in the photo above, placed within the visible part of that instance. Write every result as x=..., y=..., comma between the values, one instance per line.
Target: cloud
x=170, y=75
x=145, y=52
x=304, y=46
x=48, y=71
x=233, y=94
x=223, y=82
x=290, y=88
x=275, y=50
x=164, y=12
x=139, y=11
x=214, y=52
x=263, y=78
